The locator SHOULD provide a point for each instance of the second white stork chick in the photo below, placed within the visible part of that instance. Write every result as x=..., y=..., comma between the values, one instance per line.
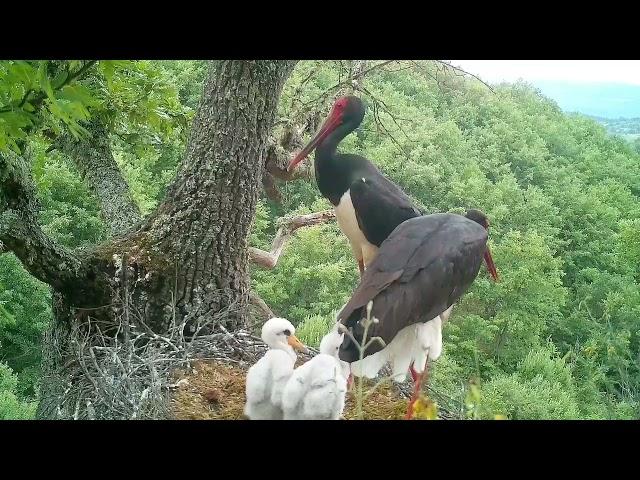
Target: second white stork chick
x=316, y=390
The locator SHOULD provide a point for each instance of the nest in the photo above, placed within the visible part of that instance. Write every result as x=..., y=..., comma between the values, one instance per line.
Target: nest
x=131, y=372
x=214, y=390
x=138, y=374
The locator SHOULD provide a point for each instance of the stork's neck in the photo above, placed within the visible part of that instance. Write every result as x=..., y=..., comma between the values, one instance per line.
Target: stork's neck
x=326, y=150
x=330, y=172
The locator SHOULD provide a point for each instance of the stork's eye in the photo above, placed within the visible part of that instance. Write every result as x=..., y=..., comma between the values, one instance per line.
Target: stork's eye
x=287, y=332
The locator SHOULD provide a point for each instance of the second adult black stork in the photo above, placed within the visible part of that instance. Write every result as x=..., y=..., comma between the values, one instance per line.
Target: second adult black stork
x=424, y=266
x=368, y=206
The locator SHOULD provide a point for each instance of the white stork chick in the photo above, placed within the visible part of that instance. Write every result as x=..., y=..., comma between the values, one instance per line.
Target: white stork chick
x=267, y=378
x=317, y=389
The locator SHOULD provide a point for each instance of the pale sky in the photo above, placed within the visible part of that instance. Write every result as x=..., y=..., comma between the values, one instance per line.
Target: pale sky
x=494, y=71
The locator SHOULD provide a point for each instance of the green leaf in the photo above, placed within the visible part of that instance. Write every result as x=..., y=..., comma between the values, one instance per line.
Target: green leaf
x=23, y=72
x=43, y=78
x=59, y=79
x=5, y=317
x=79, y=94
x=107, y=68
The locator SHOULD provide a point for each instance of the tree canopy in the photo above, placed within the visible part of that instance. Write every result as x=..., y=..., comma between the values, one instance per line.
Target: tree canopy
x=557, y=338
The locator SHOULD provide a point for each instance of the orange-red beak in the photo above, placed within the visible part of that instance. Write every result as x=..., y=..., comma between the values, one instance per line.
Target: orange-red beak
x=490, y=265
x=297, y=344
x=329, y=125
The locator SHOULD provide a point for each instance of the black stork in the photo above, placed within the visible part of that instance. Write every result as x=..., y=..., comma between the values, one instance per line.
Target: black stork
x=368, y=206
x=425, y=265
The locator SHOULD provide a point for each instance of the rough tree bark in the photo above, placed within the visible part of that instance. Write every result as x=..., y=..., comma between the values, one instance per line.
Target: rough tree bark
x=188, y=260
x=94, y=160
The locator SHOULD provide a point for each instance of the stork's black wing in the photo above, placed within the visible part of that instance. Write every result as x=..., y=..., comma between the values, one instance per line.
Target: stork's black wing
x=421, y=270
x=380, y=206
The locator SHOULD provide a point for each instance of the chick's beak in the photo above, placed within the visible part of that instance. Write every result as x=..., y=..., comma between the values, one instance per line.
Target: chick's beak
x=297, y=344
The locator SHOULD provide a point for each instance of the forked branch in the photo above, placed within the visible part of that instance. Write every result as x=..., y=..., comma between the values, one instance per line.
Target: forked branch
x=287, y=227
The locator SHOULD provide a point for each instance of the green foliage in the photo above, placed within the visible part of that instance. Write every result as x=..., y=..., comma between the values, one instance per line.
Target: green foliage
x=314, y=275
x=542, y=387
x=26, y=303
x=556, y=338
x=11, y=407
x=188, y=77
x=562, y=196
x=36, y=93
x=311, y=330
x=70, y=213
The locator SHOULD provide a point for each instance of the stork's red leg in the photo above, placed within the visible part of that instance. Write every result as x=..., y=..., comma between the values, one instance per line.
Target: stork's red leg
x=417, y=384
x=415, y=375
x=350, y=381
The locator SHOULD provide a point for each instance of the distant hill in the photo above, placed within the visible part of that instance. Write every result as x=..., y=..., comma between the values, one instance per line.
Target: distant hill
x=626, y=127
x=609, y=101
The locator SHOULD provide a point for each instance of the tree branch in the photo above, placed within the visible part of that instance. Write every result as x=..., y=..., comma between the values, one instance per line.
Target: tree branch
x=260, y=304
x=20, y=231
x=448, y=66
x=464, y=72
x=35, y=102
x=92, y=156
x=287, y=228
x=347, y=82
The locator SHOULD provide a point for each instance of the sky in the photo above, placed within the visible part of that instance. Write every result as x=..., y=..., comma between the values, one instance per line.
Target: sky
x=582, y=71
x=602, y=88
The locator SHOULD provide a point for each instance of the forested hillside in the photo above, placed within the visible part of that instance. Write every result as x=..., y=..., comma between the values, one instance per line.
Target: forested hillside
x=627, y=128
x=558, y=337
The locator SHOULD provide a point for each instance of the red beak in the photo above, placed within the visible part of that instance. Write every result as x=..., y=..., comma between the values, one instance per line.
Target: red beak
x=490, y=265
x=329, y=125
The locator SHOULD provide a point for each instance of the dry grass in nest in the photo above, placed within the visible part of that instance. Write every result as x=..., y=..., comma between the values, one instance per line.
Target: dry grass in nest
x=213, y=390
x=383, y=404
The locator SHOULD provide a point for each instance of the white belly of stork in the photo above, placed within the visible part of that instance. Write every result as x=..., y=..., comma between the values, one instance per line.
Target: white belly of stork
x=415, y=344
x=348, y=224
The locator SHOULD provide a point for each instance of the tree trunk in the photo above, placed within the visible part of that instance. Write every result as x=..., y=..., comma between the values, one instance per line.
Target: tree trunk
x=188, y=260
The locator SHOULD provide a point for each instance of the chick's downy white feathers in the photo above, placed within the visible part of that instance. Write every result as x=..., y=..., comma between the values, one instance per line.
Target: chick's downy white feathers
x=317, y=389
x=267, y=378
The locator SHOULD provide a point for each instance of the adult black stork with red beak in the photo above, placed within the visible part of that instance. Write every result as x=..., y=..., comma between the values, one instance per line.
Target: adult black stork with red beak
x=425, y=265
x=368, y=206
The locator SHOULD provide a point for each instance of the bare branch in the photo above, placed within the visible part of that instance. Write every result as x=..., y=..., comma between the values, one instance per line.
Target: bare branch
x=380, y=124
x=261, y=305
x=448, y=66
x=346, y=82
x=288, y=226
x=20, y=231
